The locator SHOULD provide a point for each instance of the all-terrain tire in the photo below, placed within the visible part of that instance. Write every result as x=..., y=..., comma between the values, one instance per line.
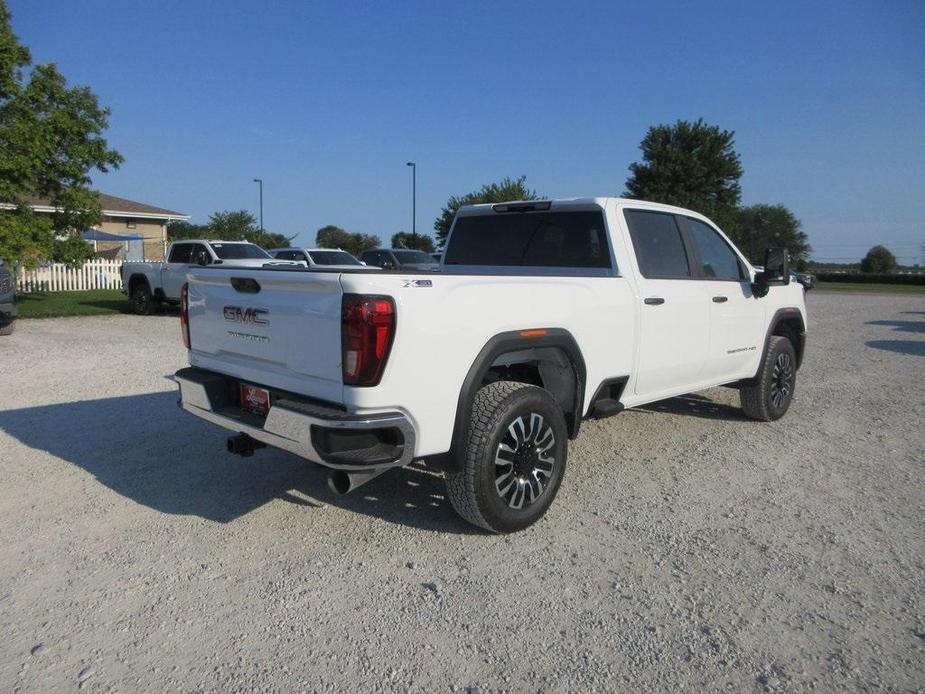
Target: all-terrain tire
x=142, y=300
x=769, y=397
x=517, y=421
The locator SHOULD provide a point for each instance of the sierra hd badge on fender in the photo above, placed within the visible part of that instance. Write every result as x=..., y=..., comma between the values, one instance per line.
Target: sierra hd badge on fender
x=246, y=315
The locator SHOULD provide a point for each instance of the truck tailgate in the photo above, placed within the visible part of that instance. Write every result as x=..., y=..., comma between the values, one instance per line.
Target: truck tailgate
x=276, y=328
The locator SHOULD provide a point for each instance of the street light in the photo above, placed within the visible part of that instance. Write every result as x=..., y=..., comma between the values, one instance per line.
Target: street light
x=414, y=195
x=260, y=182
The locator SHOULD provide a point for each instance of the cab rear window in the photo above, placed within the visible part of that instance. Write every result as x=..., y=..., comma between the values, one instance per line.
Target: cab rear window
x=238, y=251
x=530, y=239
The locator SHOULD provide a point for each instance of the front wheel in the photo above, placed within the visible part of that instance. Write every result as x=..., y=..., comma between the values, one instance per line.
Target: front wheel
x=514, y=457
x=8, y=328
x=769, y=397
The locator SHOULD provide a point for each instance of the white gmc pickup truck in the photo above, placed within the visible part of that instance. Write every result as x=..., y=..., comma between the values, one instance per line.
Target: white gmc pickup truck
x=149, y=284
x=543, y=313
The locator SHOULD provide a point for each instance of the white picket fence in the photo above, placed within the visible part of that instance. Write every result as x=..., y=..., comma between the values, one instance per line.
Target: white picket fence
x=56, y=277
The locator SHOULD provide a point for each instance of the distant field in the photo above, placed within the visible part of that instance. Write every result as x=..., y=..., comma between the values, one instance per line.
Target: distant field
x=863, y=288
x=95, y=302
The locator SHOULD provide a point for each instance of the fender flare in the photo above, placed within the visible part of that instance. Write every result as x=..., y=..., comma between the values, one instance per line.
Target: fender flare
x=137, y=277
x=509, y=342
x=781, y=314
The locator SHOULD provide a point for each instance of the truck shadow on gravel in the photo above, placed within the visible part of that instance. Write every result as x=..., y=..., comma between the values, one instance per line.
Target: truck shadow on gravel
x=911, y=347
x=693, y=405
x=146, y=449
x=903, y=326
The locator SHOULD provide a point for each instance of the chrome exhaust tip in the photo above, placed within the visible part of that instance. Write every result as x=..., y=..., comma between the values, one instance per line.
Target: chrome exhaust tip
x=341, y=482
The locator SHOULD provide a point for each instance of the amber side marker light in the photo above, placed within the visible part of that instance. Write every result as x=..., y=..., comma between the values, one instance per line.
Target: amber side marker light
x=533, y=333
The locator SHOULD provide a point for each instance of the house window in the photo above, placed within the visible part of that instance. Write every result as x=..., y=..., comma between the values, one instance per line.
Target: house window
x=130, y=223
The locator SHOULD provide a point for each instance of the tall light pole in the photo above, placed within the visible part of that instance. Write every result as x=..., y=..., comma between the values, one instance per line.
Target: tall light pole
x=414, y=202
x=260, y=182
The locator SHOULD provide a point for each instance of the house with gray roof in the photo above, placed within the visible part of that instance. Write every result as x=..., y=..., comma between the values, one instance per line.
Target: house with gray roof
x=143, y=226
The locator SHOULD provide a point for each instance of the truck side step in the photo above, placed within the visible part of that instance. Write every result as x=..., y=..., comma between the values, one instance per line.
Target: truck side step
x=606, y=401
x=606, y=408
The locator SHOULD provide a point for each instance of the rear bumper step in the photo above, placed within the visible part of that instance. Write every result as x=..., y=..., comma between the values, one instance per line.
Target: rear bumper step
x=323, y=435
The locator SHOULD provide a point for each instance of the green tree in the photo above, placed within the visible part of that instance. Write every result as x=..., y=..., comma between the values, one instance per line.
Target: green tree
x=241, y=225
x=758, y=227
x=180, y=231
x=421, y=242
x=234, y=225
x=50, y=140
x=331, y=236
x=509, y=189
x=266, y=239
x=879, y=260
x=25, y=237
x=692, y=165
x=70, y=249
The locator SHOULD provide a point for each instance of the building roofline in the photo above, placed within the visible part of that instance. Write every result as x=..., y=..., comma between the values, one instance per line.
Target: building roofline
x=110, y=206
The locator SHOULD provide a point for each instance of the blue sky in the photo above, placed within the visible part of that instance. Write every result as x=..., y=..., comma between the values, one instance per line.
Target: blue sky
x=327, y=101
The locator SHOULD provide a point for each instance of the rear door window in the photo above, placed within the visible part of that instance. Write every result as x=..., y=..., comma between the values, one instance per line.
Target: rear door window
x=181, y=253
x=658, y=244
x=718, y=261
x=530, y=239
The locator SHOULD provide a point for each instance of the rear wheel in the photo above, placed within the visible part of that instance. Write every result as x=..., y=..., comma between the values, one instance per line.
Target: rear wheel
x=770, y=396
x=142, y=301
x=8, y=328
x=514, y=457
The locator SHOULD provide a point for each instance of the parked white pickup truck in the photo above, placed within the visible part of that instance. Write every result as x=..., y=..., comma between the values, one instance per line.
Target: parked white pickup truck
x=328, y=258
x=150, y=284
x=543, y=313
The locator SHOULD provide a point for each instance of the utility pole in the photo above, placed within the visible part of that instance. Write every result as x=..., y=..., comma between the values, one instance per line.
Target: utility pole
x=414, y=195
x=259, y=181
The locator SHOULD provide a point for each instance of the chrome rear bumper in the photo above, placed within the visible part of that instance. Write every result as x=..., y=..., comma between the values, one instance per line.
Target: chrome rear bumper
x=298, y=427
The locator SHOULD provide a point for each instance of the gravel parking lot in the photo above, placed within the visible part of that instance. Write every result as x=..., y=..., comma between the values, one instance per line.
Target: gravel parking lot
x=689, y=548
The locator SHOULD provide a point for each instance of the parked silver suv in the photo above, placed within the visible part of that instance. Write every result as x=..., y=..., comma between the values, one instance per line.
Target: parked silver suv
x=7, y=307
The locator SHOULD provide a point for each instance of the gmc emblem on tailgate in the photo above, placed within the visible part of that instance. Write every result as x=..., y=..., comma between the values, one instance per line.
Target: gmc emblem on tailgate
x=246, y=315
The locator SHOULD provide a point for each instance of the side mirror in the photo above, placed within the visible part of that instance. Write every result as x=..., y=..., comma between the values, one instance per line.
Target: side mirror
x=202, y=260
x=776, y=270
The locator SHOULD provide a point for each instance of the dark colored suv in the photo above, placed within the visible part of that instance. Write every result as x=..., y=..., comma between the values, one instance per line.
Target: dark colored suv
x=7, y=307
x=399, y=259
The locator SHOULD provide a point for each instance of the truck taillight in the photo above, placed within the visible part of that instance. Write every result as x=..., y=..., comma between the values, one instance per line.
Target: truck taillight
x=184, y=315
x=367, y=329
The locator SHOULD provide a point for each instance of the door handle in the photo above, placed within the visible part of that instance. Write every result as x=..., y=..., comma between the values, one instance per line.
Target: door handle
x=655, y=301
x=720, y=299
